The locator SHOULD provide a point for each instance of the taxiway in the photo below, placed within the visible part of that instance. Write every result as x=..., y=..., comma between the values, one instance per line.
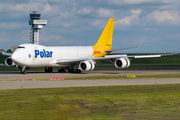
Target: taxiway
x=83, y=83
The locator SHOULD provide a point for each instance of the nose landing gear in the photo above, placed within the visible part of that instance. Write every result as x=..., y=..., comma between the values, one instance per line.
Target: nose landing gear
x=23, y=70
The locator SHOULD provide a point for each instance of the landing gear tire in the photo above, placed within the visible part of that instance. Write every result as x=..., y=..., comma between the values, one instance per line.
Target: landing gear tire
x=72, y=70
x=23, y=70
x=62, y=70
x=48, y=69
x=78, y=71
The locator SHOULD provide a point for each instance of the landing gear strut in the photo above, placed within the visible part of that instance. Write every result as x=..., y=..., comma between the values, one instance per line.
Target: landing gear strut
x=23, y=70
x=62, y=70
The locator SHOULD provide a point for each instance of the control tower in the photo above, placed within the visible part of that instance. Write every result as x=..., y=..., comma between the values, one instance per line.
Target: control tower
x=36, y=24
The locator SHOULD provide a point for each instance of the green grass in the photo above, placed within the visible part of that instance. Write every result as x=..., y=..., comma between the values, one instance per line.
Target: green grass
x=160, y=102
x=160, y=60
x=2, y=59
x=139, y=67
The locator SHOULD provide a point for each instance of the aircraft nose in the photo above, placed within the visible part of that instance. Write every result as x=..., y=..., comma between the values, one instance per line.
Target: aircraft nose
x=14, y=57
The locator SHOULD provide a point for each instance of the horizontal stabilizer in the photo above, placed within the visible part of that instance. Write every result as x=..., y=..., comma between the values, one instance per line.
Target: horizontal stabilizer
x=120, y=49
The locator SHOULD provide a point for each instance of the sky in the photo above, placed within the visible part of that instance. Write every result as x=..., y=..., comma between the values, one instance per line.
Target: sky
x=153, y=25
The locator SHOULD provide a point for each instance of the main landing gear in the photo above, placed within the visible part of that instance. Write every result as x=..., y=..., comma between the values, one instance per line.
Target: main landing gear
x=48, y=69
x=69, y=69
x=62, y=70
x=73, y=70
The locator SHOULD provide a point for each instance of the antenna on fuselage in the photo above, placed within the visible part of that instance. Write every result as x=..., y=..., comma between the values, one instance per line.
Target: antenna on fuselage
x=36, y=24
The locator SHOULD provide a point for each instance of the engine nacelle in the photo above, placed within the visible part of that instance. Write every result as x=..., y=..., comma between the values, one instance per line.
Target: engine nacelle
x=122, y=63
x=9, y=62
x=86, y=65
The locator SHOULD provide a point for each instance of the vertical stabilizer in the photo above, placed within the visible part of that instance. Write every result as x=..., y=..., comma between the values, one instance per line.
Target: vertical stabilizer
x=107, y=35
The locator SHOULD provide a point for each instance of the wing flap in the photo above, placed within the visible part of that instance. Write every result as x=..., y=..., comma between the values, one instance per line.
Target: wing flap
x=147, y=56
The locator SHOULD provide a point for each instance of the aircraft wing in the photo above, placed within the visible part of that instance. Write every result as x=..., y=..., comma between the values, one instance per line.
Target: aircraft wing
x=125, y=56
x=130, y=56
x=6, y=54
x=59, y=61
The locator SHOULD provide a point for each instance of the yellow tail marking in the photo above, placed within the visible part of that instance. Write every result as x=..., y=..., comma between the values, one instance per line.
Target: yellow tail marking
x=105, y=40
x=99, y=51
x=107, y=34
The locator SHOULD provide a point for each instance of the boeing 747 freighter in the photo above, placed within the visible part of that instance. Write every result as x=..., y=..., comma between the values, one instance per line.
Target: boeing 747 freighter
x=70, y=58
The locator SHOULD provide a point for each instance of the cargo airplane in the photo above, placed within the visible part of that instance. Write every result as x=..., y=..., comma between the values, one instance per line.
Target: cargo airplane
x=70, y=58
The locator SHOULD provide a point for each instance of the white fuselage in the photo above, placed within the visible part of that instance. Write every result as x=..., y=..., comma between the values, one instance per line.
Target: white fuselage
x=32, y=55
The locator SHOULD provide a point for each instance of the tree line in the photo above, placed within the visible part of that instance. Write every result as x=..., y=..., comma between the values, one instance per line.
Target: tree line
x=11, y=50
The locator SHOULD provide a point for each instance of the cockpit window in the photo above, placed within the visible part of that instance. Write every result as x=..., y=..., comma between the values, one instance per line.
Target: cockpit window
x=20, y=47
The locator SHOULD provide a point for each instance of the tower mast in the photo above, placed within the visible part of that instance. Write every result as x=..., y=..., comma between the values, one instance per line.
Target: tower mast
x=36, y=24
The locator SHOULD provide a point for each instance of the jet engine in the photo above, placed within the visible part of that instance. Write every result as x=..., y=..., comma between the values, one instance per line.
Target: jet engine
x=86, y=65
x=9, y=62
x=122, y=63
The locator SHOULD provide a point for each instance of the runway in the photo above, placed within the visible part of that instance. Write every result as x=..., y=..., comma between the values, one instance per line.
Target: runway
x=30, y=75
x=83, y=83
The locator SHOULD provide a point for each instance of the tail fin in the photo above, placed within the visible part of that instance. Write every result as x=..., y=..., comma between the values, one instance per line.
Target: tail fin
x=107, y=35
